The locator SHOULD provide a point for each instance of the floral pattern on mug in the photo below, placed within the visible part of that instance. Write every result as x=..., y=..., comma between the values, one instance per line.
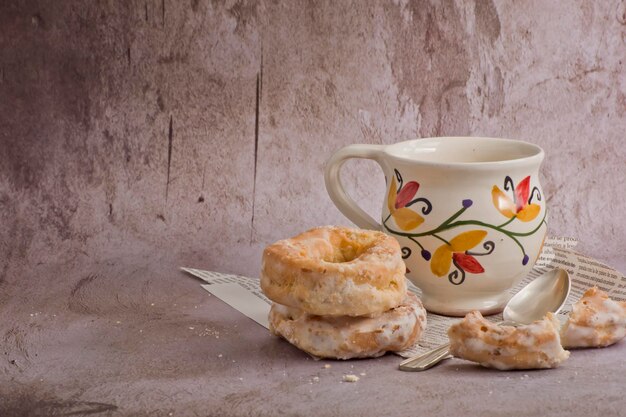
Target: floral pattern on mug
x=521, y=207
x=456, y=251
x=400, y=198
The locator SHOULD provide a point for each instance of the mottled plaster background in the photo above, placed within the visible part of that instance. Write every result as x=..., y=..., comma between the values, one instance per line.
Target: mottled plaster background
x=200, y=128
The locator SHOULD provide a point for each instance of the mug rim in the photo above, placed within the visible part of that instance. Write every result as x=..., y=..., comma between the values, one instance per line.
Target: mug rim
x=536, y=153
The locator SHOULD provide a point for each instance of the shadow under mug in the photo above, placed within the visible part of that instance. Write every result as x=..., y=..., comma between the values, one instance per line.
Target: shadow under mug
x=469, y=214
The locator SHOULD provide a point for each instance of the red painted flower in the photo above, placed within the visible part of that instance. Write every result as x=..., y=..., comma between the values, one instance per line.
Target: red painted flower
x=405, y=218
x=406, y=194
x=456, y=250
x=468, y=263
x=521, y=208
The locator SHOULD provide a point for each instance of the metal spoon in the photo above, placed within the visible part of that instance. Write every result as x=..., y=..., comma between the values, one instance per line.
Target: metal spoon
x=547, y=293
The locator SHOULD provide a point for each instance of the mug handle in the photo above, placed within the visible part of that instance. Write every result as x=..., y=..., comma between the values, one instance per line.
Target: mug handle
x=335, y=189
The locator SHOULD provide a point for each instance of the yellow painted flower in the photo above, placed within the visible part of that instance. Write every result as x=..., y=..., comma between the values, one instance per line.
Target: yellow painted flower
x=455, y=251
x=522, y=208
x=397, y=200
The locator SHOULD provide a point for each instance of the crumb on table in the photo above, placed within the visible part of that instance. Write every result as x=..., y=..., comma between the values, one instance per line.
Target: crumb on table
x=350, y=378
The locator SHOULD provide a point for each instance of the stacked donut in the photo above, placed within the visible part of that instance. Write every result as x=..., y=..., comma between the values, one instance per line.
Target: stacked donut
x=341, y=293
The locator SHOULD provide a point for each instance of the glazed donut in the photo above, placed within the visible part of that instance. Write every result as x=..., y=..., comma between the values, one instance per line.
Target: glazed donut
x=533, y=346
x=595, y=321
x=351, y=337
x=335, y=271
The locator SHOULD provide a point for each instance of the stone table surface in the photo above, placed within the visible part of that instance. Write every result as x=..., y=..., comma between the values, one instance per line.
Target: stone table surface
x=132, y=335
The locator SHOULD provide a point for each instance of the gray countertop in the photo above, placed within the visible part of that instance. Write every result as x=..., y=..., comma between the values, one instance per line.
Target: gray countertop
x=132, y=335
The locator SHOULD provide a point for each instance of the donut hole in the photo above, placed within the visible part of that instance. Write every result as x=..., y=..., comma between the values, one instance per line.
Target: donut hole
x=349, y=248
x=345, y=254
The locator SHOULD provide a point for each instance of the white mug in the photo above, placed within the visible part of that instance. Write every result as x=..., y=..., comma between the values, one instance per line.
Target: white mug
x=469, y=214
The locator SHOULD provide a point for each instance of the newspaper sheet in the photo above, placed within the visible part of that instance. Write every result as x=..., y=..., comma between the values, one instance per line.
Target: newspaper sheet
x=245, y=295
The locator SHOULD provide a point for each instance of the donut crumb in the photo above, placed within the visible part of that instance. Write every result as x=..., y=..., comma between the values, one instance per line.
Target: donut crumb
x=350, y=378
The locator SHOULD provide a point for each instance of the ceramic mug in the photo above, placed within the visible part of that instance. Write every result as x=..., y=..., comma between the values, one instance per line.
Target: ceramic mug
x=469, y=214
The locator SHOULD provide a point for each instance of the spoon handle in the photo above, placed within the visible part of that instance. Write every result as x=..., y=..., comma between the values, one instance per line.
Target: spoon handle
x=427, y=360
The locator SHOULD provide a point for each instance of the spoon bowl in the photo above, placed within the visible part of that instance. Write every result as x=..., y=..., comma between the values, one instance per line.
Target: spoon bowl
x=547, y=293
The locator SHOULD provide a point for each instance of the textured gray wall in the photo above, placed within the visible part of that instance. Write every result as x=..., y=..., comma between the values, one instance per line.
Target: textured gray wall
x=201, y=128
